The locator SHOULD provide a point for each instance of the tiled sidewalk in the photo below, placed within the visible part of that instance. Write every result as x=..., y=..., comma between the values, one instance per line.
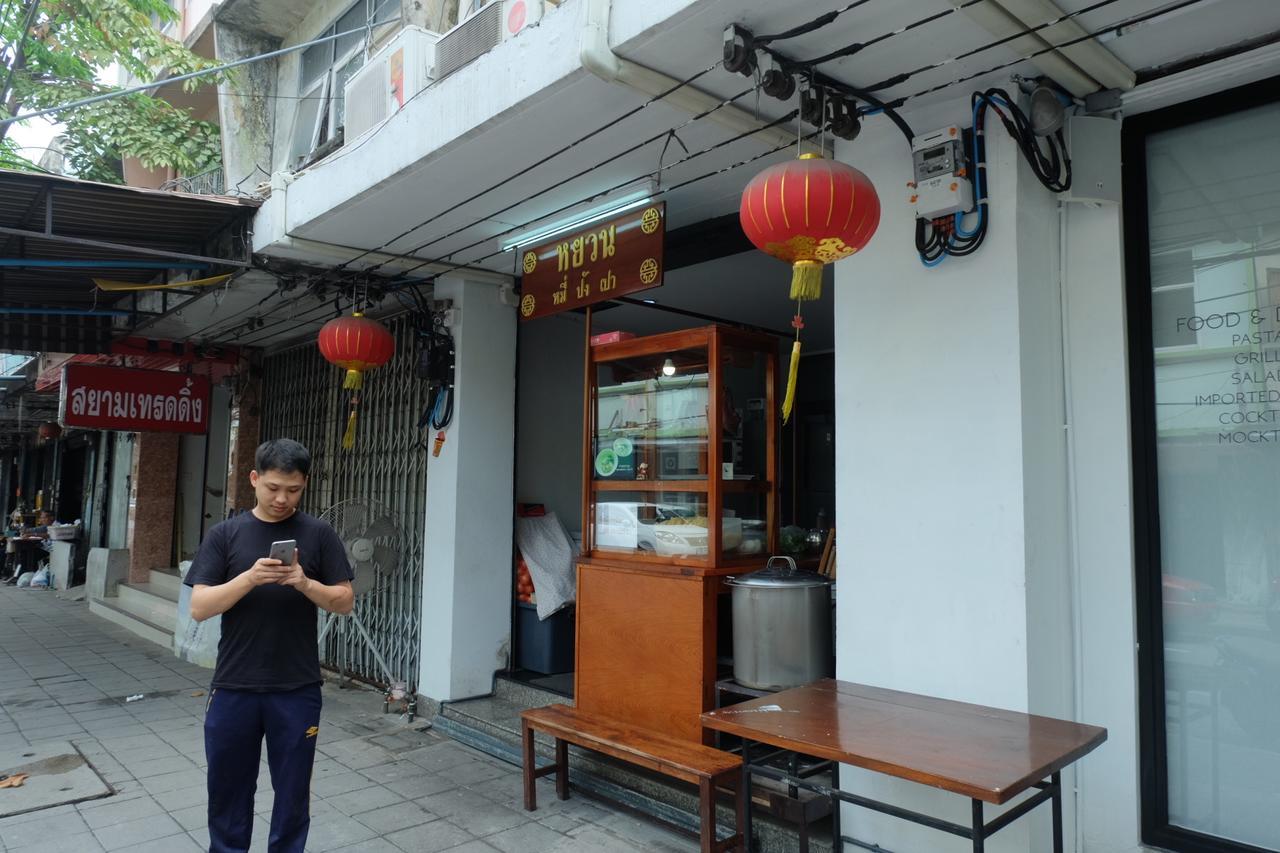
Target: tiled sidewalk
x=380, y=784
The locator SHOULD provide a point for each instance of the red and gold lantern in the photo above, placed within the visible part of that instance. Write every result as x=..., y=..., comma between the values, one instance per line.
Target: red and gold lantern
x=808, y=212
x=356, y=344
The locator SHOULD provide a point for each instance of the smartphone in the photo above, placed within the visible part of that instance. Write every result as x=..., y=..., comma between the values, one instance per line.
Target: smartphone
x=283, y=551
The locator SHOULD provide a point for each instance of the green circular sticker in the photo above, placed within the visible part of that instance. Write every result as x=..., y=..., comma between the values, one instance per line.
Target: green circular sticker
x=622, y=446
x=606, y=462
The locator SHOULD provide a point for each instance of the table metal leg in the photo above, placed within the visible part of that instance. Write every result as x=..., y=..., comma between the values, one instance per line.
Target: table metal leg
x=746, y=792
x=837, y=834
x=1056, y=805
x=979, y=835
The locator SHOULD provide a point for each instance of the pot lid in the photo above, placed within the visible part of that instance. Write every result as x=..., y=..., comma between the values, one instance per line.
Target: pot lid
x=781, y=572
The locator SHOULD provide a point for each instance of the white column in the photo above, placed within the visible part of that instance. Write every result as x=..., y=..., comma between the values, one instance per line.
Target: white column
x=466, y=587
x=1103, y=508
x=951, y=472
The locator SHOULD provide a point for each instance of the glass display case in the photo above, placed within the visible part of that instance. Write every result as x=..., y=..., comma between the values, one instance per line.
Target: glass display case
x=682, y=431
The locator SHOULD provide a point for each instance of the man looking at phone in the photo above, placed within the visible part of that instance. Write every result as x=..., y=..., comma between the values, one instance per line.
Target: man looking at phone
x=267, y=680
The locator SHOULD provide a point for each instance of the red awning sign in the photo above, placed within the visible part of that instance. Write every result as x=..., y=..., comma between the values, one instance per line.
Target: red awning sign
x=119, y=398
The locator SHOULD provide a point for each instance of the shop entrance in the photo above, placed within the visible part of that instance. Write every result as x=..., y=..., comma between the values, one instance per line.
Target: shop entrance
x=737, y=289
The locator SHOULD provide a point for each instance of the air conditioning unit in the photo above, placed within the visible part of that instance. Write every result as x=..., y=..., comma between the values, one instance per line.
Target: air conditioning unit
x=398, y=71
x=483, y=30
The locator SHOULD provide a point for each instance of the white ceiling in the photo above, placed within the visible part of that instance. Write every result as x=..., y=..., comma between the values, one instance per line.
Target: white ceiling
x=682, y=46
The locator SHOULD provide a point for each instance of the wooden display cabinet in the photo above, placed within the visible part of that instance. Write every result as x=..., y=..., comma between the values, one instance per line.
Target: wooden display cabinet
x=680, y=491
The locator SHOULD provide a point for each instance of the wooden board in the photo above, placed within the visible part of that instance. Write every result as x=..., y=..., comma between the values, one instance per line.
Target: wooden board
x=646, y=648
x=985, y=753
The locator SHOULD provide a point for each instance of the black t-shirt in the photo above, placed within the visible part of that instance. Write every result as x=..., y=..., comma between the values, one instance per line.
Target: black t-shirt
x=269, y=636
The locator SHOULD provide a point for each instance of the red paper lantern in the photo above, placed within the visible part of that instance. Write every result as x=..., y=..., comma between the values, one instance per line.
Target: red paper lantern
x=357, y=344
x=49, y=431
x=808, y=212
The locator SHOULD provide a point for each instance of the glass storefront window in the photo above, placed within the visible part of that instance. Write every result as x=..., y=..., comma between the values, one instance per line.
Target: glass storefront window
x=1214, y=224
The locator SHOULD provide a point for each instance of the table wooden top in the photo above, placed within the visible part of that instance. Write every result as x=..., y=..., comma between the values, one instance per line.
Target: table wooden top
x=985, y=753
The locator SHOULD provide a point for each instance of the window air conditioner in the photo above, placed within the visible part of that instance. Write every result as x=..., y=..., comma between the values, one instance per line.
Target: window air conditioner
x=397, y=72
x=484, y=30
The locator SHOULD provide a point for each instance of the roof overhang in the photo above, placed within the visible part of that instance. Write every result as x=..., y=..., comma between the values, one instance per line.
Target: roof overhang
x=58, y=234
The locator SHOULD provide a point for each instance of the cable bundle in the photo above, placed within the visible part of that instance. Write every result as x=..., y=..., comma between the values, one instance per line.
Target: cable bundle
x=1051, y=163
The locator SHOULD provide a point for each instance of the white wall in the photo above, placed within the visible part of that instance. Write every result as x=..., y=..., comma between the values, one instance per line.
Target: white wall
x=466, y=593
x=965, y=574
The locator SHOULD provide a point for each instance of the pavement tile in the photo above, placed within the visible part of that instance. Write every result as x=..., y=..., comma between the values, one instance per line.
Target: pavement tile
x=531, y=837
x=40, y=827
x=336, y=831
x=80, y=842
x=135, y=832
x=394, y=818
x=365, y=800
x=430, y=837
x=119, y=811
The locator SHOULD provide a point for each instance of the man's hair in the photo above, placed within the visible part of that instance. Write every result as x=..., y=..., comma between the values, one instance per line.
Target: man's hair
x=284, y=455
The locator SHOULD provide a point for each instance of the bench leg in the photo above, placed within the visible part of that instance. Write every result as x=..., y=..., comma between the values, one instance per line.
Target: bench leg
x=530, y=791
x=707, y=812
x=562, y=769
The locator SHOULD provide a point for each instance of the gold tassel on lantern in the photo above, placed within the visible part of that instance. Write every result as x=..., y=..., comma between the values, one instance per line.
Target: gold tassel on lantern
x=789, y=401
x=349, y=437
x=806, y=280
x=354, y=381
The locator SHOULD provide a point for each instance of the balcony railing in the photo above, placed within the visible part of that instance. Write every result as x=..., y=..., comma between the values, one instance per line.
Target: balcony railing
x=205, y=183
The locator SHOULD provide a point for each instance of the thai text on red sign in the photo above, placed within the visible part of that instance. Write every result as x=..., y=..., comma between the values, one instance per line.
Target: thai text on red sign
x=120, y=398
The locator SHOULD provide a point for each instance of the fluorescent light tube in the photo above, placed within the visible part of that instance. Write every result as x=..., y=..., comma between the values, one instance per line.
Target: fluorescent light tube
x=611, y=208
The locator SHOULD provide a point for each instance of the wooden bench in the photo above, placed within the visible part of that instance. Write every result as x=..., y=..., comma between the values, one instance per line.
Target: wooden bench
x=701, y=765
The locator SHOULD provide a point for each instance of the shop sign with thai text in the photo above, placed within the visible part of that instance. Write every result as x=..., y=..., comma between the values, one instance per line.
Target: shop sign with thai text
x=608, y=259
x=120, y=398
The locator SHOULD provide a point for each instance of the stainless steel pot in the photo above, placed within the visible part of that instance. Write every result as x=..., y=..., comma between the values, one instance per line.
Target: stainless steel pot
x=781, y=626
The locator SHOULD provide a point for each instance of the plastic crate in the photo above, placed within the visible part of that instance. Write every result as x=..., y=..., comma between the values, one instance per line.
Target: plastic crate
x=544, y=646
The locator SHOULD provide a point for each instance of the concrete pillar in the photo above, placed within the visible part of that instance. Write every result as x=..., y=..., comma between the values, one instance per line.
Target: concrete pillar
x=246, y=435
x=951, y=475
x=155, y=467
x=466, y=598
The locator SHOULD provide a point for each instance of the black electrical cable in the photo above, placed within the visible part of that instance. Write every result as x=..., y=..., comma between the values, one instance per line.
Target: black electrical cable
x=602, y=128
x=737, y=138
x=907, y=75
x=1120, y=25
x=814, y=25
x=851, y=49
x=456, y=266
x=663, y=135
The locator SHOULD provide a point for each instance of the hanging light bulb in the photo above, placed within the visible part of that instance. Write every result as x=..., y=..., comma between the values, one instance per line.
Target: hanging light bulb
x=668, y=368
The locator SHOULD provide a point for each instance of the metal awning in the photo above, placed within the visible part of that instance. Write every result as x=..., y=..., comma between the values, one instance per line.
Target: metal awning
x=57, y=234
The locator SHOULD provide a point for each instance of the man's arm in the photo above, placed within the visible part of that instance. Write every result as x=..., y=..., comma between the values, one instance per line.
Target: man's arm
x=207, y=600
x=336, y=598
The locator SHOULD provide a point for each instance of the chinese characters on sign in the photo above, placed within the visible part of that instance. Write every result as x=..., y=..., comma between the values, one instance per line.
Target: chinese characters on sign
x=608, y=259
x=119, y=398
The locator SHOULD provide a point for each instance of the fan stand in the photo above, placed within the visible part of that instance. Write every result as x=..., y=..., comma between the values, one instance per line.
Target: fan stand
x=411, y=702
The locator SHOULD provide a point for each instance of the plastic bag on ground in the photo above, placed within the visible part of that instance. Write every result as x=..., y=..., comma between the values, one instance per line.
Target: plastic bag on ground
x=41, y=578
x=549, y=553
x=24, y=579
x=194, y=642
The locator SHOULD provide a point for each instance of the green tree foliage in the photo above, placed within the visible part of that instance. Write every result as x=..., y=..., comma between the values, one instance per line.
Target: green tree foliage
x=55, y=60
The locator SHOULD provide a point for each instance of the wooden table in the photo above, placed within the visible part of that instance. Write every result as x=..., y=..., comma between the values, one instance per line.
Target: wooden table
x=986, y=754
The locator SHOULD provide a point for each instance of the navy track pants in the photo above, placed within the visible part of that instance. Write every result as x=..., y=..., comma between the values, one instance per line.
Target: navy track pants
x=235, y=723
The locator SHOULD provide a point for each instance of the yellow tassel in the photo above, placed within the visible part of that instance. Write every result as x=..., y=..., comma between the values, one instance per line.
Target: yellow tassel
x=789, y=401
x=349, y=437
x=806, y=280
x=354, y=381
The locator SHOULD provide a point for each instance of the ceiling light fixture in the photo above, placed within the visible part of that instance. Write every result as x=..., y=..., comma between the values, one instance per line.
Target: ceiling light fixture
x=610, y=208
x=668, y=368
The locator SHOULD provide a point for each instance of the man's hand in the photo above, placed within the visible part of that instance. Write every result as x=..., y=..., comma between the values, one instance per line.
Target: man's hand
x=267, y=570
x=294, y=576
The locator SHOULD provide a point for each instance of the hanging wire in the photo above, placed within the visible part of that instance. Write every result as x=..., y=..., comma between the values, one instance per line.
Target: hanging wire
x=493, y=215
x=814, y=25
x=907, y=75
x=520, y=173
x=267, y=329
x=1116, y=27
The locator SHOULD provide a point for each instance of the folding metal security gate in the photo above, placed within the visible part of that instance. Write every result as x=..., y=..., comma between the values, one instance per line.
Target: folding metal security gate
x=303, y=400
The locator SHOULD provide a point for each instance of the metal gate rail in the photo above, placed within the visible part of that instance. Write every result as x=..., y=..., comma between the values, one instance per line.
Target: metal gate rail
x=304, y=400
